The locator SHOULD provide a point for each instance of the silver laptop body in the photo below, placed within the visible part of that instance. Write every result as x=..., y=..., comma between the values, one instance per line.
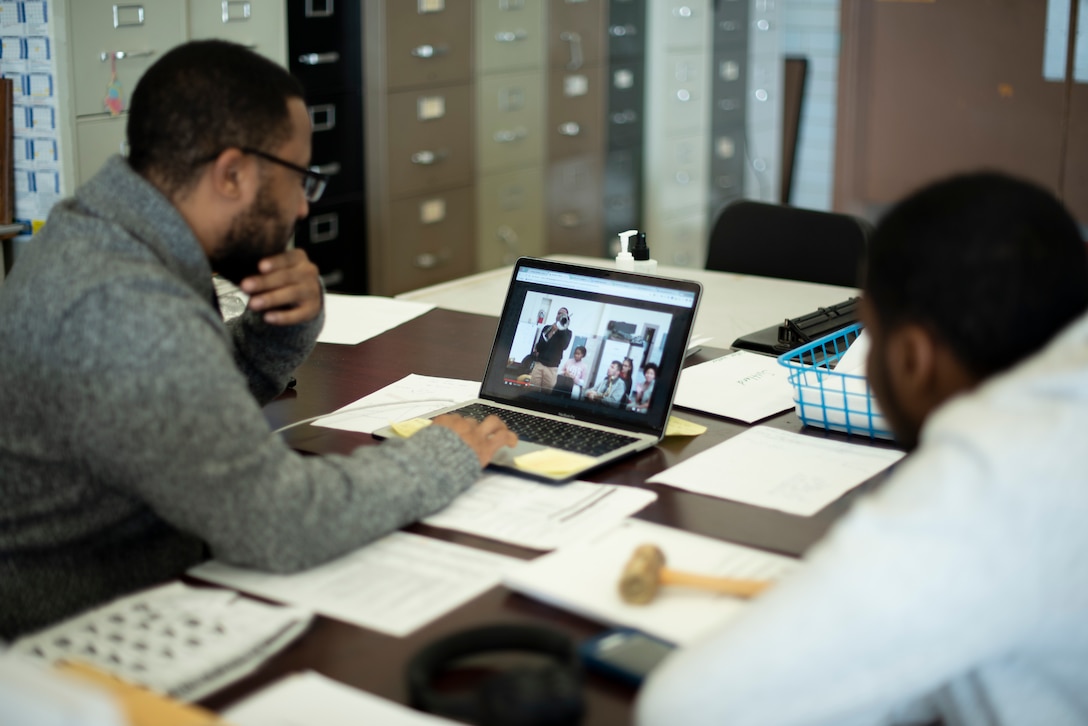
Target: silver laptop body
x=553, y=309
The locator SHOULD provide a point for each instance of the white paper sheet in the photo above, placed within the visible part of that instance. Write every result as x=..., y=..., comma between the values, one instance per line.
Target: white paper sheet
x=395, y=585
x=583, y=578
x=411, y=396
x=780, y=470
x=351, y=319
x=539, y=516
x=742, y=385
x=309, y=698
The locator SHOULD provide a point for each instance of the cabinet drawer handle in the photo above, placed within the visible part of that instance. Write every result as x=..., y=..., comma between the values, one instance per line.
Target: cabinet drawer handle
x=428, y=157
x=123, y=54
x=628, y=116
x=621, y=31
x=429, y=260
x=570, y=128
x=429, y=51
x=511, y=36
x=508, y=236
x=507, y=136
x=575, y=42
x=316, y=59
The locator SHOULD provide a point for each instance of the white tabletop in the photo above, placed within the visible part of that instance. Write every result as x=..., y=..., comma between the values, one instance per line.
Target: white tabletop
x=732, y=304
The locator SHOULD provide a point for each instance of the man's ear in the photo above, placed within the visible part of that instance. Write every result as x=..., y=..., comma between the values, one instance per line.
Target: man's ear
x=234, y=176
x=924, y=371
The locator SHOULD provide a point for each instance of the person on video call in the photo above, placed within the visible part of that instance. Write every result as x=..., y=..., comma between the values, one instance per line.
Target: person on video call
x=610, y=390
x=644, y=392
x=132, y=442
x=957, y=592
x=548, y=351
x=575, y=367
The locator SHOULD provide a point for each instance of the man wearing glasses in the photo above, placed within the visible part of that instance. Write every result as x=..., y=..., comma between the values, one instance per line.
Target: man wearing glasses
x=132, y=443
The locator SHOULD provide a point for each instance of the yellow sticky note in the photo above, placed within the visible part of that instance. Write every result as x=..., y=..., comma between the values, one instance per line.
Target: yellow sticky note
x=553, y=462
x=405, y=429
x=680, y=427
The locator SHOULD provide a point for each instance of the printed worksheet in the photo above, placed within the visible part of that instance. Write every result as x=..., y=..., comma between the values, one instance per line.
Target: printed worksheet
x=539, y=516
x=411, y=396
x=771, y=468
x=395, y=585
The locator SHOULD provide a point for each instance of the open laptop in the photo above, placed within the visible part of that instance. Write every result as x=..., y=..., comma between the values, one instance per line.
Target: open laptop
x=610, y=315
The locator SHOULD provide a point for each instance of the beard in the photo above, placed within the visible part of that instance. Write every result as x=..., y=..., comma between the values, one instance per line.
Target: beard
x=255, y=234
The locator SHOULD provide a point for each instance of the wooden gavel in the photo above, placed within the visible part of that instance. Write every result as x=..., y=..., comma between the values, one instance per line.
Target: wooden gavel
x=645, y=573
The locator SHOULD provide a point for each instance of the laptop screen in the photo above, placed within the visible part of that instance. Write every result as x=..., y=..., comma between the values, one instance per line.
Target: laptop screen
x=596, y=345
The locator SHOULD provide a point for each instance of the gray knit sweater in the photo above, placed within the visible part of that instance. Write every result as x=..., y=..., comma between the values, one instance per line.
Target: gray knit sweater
x=131, y=435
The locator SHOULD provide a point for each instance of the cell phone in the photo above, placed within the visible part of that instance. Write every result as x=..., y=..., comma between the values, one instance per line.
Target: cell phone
x=624, y=653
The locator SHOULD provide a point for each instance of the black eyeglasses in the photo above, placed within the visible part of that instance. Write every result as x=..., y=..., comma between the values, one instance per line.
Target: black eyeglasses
x=313, y=181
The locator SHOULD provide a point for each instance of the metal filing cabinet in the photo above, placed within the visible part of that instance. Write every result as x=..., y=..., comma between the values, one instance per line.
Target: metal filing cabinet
x=324, y=54
x=127, y=38
x=510, y=129
x=678, y=123
x=729, y=110
x=421, y=157
x=624, y=119
x=575, y=142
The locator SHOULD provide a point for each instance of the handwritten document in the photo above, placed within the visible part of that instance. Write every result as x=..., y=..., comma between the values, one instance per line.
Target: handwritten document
x=351, y=319
x=308, y=698
x=780, y=470
x=539, y=516
x=742, y=385
x=584, y=578
x=408, y=398
x=395, y=585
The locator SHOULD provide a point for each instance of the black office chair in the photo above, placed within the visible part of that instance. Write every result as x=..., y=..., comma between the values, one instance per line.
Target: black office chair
x=772, y=240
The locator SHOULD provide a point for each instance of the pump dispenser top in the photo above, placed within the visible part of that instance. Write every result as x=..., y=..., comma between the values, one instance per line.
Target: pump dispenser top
x=641, y=254
x=625, y=260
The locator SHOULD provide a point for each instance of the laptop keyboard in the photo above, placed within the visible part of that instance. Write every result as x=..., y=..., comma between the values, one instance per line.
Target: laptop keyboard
x=549, y=432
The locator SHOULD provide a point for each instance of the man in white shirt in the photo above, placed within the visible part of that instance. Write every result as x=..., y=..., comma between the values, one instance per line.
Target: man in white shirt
x=958, y=592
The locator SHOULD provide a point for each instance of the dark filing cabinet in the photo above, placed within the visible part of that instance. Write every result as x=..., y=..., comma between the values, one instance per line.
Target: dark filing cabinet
x=324, y=40
x=728, y=112
x=624, y=119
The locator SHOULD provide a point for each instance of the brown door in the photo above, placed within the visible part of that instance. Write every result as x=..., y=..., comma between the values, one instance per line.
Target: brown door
x=928, y=89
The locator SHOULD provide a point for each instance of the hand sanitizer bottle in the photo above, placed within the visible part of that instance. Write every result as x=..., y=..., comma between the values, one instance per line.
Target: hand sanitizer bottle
x=641, y=253
x=624, y=260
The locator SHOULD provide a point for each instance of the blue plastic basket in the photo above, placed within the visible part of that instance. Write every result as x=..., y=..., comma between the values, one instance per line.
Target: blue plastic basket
x=828, y=399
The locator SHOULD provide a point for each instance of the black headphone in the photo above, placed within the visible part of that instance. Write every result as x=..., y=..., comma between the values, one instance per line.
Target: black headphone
x=547, y=695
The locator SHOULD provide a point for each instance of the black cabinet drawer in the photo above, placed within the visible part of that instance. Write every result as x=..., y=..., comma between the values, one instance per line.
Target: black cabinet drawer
x=626, y=28
x=338, y=140
x=324, y=43
x=334, y=237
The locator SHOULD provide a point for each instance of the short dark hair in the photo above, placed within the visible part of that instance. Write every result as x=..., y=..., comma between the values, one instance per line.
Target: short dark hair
x=992, y=265
x=201, y=98
x=580, y=348
x=648, y=366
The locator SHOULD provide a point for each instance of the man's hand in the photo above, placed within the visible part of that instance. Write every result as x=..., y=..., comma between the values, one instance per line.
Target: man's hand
x=288, y=288
x=485, y=437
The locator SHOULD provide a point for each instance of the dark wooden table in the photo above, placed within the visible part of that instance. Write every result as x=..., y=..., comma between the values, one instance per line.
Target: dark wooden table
x=456, y=345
